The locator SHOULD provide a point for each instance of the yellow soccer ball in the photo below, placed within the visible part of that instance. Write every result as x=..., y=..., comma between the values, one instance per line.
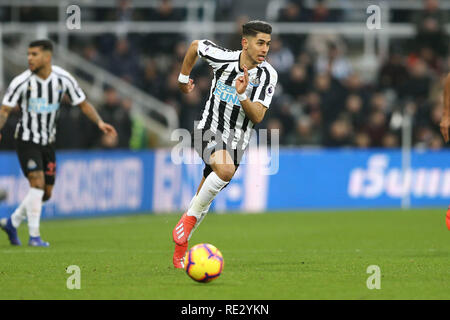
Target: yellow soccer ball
x=203, y=262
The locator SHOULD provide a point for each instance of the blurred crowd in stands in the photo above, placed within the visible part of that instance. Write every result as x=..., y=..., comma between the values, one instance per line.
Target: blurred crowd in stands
x=321, y=98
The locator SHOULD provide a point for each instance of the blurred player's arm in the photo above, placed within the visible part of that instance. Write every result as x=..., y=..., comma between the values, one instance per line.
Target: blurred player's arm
x=255, y=111
x=445, y=121
x=93, y=115
x=4, y=114
x=185, y=84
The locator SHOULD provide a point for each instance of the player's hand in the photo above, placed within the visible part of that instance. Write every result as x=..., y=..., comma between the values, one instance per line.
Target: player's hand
x=445, y=126
x=242, y=82
x=187, y=87
x=107, y=129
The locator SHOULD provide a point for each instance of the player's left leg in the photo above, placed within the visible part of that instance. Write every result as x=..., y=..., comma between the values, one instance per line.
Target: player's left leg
x=46, y=183
x=48, y=177
x=180, y=249
x=223, y=169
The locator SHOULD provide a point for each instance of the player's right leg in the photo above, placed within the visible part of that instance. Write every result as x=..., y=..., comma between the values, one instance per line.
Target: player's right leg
x=30, y=208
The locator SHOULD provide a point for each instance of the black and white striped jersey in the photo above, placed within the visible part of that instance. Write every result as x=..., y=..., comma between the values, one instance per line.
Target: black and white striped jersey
x=222, y=113
x=39, y=102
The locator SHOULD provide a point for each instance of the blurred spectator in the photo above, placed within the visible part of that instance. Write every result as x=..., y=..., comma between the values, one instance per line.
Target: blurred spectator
x=296, y=83
x=124, y=61
x=124, y=11
x=354, y=85
x=354, y=111
x=377, y=127
x=331, y=96
x=91, y=55
x=166, y=12
x=294, y=12
x=280, y=57
x=152, y=81
x=334, y=63
x=115, y=112
x=224, y=10
x=321, y=13
x=430, y=24
x=362, y=140
x=393, y=73
x=234, y=41
x=390, y=140
x=418, y=84
x=306, y=133
x=339, y=134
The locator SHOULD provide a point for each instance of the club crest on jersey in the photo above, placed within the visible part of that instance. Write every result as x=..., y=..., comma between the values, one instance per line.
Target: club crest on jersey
x=31, y=164
x=254, y=82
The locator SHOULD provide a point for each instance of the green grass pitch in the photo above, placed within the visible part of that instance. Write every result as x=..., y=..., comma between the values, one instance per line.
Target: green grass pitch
x=280, y=255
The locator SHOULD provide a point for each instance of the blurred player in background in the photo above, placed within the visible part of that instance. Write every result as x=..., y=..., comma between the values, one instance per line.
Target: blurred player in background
x=241, y=92
x=38, y=93
x=445, y=124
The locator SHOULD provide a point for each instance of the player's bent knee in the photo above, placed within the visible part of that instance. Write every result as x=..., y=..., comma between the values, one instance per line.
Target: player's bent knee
x=36, y=179
x=226, y=172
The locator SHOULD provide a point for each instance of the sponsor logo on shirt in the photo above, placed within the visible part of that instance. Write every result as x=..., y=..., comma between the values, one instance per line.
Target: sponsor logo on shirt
x=41, y=105
x=226, y=93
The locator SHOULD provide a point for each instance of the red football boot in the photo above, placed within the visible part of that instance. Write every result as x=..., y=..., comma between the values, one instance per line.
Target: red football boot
x=178, y=255
x=448, y=218
x=183, y=229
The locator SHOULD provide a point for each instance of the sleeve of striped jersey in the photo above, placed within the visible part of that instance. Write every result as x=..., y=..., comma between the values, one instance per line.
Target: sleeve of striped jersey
x=265, y=91
x=215, y=55
x=13, y=92
x=74, y=91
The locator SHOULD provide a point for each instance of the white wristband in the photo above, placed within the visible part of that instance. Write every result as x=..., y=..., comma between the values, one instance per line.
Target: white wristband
x=183, y=78
x=242, y=96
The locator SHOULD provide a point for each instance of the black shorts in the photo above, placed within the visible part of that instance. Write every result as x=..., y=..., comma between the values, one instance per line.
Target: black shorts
x=206, y=143
x=35, y=157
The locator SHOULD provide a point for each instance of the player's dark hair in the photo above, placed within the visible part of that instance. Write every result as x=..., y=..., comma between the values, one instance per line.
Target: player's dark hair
x=44, y=44
x=252, y=28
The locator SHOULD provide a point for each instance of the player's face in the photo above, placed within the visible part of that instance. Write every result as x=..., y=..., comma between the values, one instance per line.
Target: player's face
x=37, y=58
x=257, y=47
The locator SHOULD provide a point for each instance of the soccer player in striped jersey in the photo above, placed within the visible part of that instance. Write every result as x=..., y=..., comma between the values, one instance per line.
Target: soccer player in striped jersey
x=240, y=94
x=38, y=93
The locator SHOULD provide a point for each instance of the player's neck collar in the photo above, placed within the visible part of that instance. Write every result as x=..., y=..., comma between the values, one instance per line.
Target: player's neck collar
x=239, y=64
x=46, y=79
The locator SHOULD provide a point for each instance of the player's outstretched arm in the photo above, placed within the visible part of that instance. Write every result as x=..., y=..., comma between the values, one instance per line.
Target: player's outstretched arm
x=93, y=115
x=4, y=113
x=185, y=84
x=255, y=111
x=445, y=121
